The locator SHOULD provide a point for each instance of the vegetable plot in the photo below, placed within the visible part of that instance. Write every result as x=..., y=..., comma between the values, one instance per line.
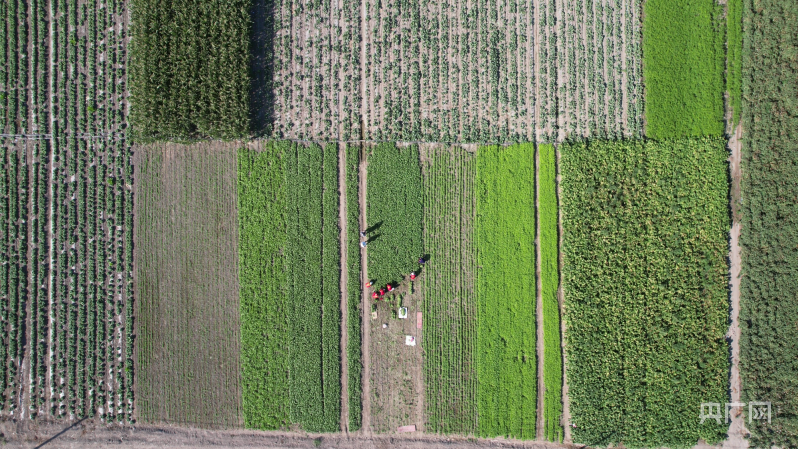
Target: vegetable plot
x=314, y=297
x=394, y=211
x=769, y=236
x=262, y=285
x=506, y=292
x=449, y=306
x=684, y=68
x=646, y=291
x=354, y=290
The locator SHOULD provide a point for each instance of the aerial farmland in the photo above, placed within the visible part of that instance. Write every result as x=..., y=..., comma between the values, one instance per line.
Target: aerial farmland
x=378, y=223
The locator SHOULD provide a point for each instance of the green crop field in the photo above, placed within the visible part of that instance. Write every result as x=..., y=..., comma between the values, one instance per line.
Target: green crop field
x=550, y=282
x=683, y=67
x=183, y=186
x=313, y=268
x=394, y=211
x=190, y=70
x=450, y=291
x=263, y=296
x=505, y=239
x=354, y=288
x=645, y=279
x=769, y=238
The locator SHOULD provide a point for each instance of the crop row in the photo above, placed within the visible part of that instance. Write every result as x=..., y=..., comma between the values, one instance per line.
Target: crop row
x=92, y=291
x=354, y=289
x=314, y=313
x=182, y=86
x=684, y=68
x=262, y=286
x=506, y=360
x=187, y=291
x=13, y=272
x=600, y=93
x=23, y=67
x=317, y=70
x=550, y=280
x=769, y=236
x=645, y=279
x=449, y=306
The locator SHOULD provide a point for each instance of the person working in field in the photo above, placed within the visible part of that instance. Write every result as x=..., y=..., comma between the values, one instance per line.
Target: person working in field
x=413, y=276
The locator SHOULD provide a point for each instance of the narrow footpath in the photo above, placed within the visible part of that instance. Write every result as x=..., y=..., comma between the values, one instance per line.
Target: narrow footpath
x=540, y=344
x=737, y=431
x=362, y=172
x=342, y=214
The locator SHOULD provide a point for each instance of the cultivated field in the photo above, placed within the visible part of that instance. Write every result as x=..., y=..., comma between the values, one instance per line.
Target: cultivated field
x=560, y=165
x=645, y=228
x=449, y=289
x=188, y=332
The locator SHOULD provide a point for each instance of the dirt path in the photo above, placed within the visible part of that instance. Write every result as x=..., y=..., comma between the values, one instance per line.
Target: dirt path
x=566, y=402
x=344, y=290
x=366, y=343
x=51, y=163
x=539, y=306
x=90, y=434
x=737, y=431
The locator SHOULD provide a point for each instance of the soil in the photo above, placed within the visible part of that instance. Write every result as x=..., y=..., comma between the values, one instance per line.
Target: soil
x=396, y=377
x=344, y=290
x=90, y=434
x=737, y=431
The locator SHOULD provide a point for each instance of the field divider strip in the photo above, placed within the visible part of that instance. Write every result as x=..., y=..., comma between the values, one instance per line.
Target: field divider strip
x=342, y=220
x=540, y=429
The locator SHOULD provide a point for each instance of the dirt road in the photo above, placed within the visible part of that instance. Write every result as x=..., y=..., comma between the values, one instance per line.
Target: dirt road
x=90, y=435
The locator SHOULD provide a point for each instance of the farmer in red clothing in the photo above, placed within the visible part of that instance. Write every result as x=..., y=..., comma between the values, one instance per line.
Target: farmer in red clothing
x=382, y=292
x=390, y=289
x=374, y=295
x=369, y=284
x=413, y=276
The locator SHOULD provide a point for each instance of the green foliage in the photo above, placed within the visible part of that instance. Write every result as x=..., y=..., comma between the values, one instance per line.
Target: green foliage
x=354, y=288
x=734, y=58
x=449, y=306
x=683, y=65
x=262, y=286
x=506, y=293
x=769, y=240
x=394, y=203
x=646, y=289
x=314, y=295
x=190, y=68
x=550, y=280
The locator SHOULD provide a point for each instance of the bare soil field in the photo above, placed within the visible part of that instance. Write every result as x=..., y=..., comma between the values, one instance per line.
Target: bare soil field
x=396, y=377
x=187, y=327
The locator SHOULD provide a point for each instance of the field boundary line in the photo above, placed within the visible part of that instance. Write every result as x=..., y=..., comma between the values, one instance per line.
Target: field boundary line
x=366, y=337
x=344, y=278
x=539, y=343
x=565, y=421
